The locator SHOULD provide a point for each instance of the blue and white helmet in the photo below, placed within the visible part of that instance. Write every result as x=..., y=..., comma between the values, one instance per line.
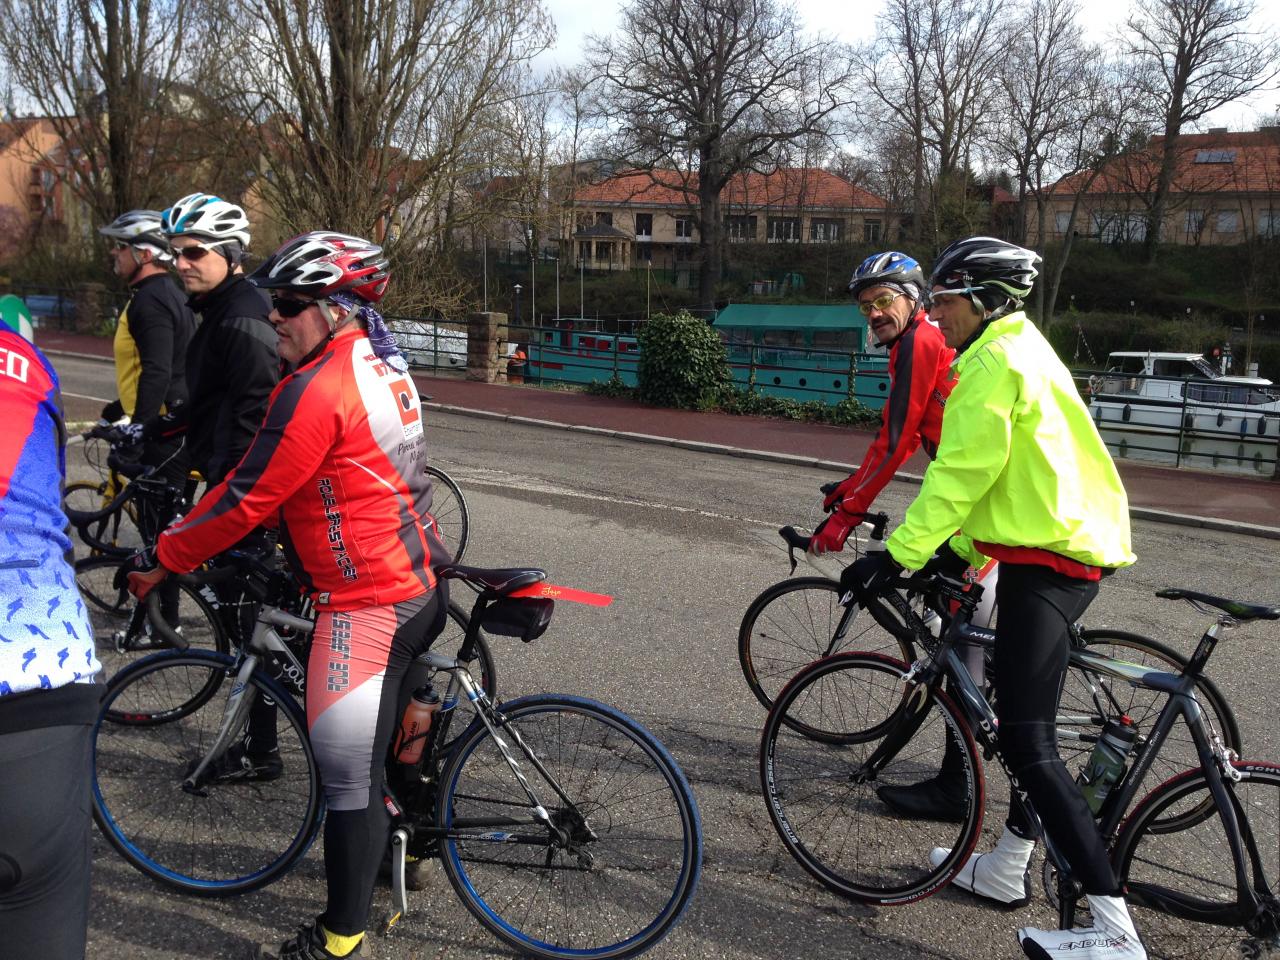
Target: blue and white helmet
x=889, y=269
x=206, y=216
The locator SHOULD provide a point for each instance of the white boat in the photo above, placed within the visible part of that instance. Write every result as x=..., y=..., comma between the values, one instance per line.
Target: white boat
x=1177, y=408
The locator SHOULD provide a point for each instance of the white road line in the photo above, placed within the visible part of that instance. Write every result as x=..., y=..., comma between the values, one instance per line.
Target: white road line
x=83, y=396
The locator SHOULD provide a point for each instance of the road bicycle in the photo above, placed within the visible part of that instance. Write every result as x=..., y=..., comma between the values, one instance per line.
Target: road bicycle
x=800, y=620
x=1199, y=856
x=547, y=799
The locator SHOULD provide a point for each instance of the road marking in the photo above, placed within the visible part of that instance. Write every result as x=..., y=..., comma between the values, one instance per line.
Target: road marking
x=83, y=396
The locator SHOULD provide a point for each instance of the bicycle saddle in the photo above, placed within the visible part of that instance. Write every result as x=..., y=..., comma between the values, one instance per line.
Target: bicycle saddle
x=1237, y=609
x=499, y=582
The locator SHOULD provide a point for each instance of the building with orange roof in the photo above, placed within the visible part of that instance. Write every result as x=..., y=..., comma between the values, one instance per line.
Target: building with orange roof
x=1226, y=190
x=32, y=194
x=639, y=217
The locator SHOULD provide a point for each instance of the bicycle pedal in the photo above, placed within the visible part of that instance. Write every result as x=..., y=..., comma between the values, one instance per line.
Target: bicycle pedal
x=389, y=924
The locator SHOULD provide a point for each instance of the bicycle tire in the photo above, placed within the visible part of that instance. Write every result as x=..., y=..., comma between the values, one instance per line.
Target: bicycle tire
x=449, y=509
x=1077, y=706
x=1196, y=862
x=819, y=804
x=237, y=836
x=646, y=851
x=795, y=622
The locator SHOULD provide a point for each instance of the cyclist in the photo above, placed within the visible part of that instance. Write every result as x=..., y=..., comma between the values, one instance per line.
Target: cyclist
x=48, y=690
x=1022, y=471
x=889, y=291
x=152, y=335
x=340, y=458
x=232, y=364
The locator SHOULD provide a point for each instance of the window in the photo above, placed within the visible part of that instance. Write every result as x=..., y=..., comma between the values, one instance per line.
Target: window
x=870, y=231
x=740, y=229
x=584, y=250
x=581, y=222
x=1195, y=222
x=604, y=251
x=1120, y=227
x=826, y=231
x=1269, y=224
x=644, y=253
x=644, y=224
x=684, y=228
x=1215, y=156
x=605, y=218
x=784, y=229
x=1062, y=220
x=1228, y=221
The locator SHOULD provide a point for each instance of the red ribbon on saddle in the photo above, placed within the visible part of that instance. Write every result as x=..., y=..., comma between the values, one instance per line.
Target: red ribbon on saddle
x=553, y=592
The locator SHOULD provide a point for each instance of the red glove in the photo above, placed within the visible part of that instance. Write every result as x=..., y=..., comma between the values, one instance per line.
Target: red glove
x=833, y=532
x=842, y=489
x=140, y=573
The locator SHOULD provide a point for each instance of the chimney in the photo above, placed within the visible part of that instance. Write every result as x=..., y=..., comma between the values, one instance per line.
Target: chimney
x=1216, y=130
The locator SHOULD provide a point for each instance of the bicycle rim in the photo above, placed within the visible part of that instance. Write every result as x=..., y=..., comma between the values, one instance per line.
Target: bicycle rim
x=238, y=835
x=449, y=508
x=793, y=623
x=1196, y=862
x=616, y=893
x=1080, y=720
x=829, y=817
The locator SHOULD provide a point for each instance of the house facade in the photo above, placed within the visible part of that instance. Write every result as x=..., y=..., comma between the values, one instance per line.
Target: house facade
x=636, y=218
x=32, y=193
x=1226, y=190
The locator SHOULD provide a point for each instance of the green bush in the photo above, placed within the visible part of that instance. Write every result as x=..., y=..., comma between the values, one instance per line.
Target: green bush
x=682, y=363
x=847, y=411
x=613, y=387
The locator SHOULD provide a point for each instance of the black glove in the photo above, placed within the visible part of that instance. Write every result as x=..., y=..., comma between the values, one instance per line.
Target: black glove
x=137, y=574
x=113, y=411
x=870, y=574
x=946, y=562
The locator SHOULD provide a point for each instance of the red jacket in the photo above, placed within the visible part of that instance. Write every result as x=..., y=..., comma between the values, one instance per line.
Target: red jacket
x=919, y=384
x=340, y=456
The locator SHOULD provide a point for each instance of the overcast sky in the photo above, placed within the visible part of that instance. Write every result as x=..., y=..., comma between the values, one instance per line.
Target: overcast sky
x=575, y=19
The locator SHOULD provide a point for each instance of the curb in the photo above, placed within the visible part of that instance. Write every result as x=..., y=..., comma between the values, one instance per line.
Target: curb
x=73, y=353
x=1138, y=513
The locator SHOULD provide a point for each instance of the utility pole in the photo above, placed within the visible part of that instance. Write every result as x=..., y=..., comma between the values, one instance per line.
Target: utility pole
x=485, y=256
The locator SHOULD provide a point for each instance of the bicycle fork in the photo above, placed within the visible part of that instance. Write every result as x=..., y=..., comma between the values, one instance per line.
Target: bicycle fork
x=234, y=716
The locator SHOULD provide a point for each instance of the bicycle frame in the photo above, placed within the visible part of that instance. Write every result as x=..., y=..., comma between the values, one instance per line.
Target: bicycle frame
x=1215, y=760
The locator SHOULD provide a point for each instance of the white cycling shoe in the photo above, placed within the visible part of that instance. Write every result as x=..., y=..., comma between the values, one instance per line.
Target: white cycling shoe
x=1112, y=936
x=1000, y=875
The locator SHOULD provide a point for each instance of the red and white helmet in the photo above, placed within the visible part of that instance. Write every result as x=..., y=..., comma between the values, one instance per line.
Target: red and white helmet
x=322, y=262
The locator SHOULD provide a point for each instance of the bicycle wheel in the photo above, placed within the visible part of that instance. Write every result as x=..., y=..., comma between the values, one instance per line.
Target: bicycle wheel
x=826, y=810
x=449, y=508
x=218, y=839
x=634, y=840
x=1089, y=699
x=122, y=634
x=1196, y=864
x=118, y=530
x=795, y=622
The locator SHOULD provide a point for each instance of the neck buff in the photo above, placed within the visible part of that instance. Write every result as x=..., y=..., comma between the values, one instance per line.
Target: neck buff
x=380, y=336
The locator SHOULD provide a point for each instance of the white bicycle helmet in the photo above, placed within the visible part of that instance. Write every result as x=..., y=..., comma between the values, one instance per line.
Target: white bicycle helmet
x=140, y=228
x=208, y=217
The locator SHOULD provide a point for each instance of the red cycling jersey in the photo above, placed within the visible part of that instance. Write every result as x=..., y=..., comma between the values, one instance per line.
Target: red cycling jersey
x=340, y=455
x=920, y=381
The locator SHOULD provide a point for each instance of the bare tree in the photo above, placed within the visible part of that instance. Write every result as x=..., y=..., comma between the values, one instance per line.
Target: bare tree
x=932, y=73
x=716, y=85
x=363, y=111
x=106, y=73
x=1197, y=56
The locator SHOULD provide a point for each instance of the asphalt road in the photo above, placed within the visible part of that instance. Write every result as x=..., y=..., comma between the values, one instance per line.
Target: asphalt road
x=675, y=536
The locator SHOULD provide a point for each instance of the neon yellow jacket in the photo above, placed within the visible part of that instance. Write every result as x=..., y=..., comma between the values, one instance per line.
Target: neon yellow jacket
x=1019, y=463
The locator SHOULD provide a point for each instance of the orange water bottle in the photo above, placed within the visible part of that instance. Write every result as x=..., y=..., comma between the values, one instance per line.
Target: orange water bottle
x=422, y=707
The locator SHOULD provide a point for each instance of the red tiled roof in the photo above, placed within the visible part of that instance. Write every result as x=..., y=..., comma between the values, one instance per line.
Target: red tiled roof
x=1248, y=163
x=807, y=187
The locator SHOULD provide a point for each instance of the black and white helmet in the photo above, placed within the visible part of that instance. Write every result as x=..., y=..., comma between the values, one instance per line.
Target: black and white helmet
x=208, y=217
x=140, y=228
x=995, y=274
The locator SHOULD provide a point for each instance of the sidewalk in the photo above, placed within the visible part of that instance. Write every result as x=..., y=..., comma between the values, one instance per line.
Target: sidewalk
x=1190, y=497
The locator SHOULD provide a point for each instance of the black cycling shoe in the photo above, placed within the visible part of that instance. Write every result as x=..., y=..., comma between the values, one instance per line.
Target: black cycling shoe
x=938, y=798
x=239, y=765
x=307, y=944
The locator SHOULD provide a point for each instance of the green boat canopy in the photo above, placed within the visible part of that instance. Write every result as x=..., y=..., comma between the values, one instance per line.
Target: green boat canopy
x=777, y=316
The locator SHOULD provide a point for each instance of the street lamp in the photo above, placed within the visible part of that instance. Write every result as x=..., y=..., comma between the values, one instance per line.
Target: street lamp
x=557, y=286
x=518, y=289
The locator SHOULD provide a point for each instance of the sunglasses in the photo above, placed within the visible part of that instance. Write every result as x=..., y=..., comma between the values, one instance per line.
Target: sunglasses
x=196, y=252
x=289, y=307
x=117, y=246
x=880, y=303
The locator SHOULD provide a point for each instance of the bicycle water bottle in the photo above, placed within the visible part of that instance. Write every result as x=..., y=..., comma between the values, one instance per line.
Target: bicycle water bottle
x=1107, y=762
x=418, y=714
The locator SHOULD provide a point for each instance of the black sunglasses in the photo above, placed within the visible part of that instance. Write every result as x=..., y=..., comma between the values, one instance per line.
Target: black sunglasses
x=288, y=306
